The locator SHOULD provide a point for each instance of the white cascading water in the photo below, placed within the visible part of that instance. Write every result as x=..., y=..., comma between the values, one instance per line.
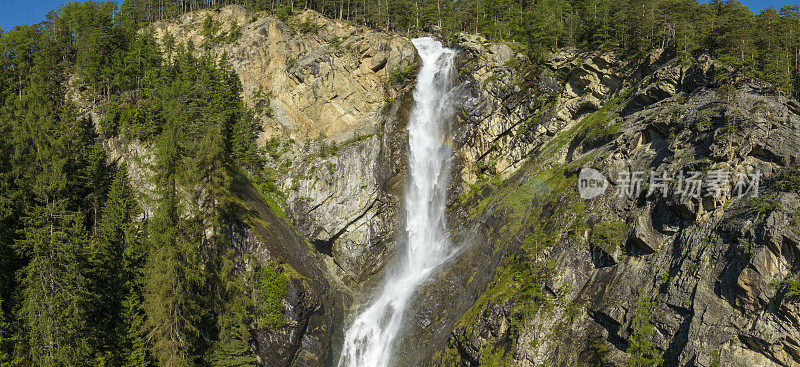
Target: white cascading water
x=368, y=341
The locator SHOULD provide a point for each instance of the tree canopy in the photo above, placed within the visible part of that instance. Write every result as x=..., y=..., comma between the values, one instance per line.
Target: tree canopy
x=89, y=277
x=764, y=45
x=93, y=272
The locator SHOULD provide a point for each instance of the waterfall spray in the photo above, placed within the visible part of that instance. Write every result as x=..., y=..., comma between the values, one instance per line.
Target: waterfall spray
x=368, y=341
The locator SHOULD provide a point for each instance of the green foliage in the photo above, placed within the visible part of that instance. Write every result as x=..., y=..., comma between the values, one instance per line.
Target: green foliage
x=213, y=34
x=790, y=286
x=276, y=208
x=283, y=11
x=539, y=211
x=86, y=278
x=608, y=235
x=715, y=362
x=171, y=303
x=308, y=26
x=762, y=45
x=599, y=354
x=400, y=75
x=7, y=339
x=554, y=184
x=600, y=127
x=703, y=120
x=94, y=280
x=764, y=205
x=134, y=340
x=788, y=179
x=88, y=26
x=262, y=103
x=493, y=355
x=52, y=184
x=118, y=263
x=272, y=286
x=233, y=346
x=266, y=179
x=56, y=298
x=235, y=31
x=474, y=188
x=332, y=148
x=210, y=31
x=642, y=351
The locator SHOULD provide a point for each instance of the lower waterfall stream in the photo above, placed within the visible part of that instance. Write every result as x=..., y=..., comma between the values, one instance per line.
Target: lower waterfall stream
x=369, y=339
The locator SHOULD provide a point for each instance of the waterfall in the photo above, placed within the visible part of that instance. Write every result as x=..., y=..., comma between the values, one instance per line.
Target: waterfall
x=369, y=339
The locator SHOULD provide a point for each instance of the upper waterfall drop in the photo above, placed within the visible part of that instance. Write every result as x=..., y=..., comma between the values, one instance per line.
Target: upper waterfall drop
x=368, y=341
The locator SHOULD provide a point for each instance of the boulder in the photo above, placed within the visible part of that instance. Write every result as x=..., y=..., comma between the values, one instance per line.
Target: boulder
x=644, y=236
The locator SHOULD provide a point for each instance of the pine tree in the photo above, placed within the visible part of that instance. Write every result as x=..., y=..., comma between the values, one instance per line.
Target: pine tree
x=640, y=347
x=135, y=346
x=171, y=307
x=117, y=267
x=7, y=338
x=233, y=346
x=55, y=290
x=272, y=287
x=773, y=65
x=732, y=36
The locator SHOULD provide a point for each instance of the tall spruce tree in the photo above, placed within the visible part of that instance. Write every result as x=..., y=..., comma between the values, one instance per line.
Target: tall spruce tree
x=171, y=305
x=232, y=348
x=117, y=265
x=56, y=298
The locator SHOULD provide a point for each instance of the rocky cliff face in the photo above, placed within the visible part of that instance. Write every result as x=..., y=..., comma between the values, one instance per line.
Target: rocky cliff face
x=714, y=273
x=319, y=77
x=543, y=276
x=334, y=100
x=324, y=87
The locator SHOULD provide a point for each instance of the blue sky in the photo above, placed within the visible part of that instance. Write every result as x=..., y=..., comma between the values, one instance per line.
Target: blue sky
x=13, y=12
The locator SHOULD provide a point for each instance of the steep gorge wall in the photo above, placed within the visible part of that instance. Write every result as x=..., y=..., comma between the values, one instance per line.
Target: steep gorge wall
x=321, y=87
x=709, y=269
x=333, y=98
x=532, y=285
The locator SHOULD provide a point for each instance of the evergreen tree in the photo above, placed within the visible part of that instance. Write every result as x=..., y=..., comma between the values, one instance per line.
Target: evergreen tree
x=136, y=346
x=87, y=278
x=640, y=347
x=233, y=346
x=117, y=267
x=171, y=306
x=7, y=339
x=55, y=290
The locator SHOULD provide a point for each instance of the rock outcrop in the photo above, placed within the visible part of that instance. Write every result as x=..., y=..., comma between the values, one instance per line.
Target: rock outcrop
x=324, y=86
x=716, y=271
x=320, y=77
x=335, y=97
x=542, y=276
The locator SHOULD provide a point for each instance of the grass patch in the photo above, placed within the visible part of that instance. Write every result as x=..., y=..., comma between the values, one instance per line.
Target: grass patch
x=401, y=74
x=495, y=355
x=608, y=235
x=600, y=127
x=272, y=288
x=594, y=130
x=542, y=208
x=329, y=150
x=275, y=207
